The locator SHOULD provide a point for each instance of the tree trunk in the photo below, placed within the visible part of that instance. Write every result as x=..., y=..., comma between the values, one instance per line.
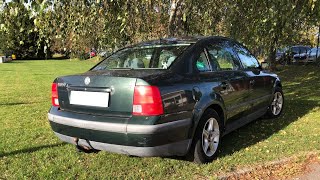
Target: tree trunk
x=272, y=57
x=272, y=52
x=173, y=13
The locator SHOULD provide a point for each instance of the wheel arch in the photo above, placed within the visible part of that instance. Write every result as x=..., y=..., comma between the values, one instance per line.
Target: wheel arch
x=277, y=83
x=216, y=106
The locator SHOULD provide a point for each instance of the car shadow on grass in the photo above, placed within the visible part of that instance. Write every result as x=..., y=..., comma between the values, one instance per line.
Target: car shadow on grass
x=31, y=149
x=301, y=89
x=16, y=103
x=263, y=128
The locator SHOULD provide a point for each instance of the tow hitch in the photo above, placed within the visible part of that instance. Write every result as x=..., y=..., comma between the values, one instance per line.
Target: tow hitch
x=83, y=148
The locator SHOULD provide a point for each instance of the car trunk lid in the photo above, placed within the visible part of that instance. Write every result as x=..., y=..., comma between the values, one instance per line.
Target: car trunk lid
x=102, y=92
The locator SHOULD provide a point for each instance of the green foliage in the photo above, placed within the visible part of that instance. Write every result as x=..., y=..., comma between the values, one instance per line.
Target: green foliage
x=17, y=32
x=270, y=24
x=72, y=26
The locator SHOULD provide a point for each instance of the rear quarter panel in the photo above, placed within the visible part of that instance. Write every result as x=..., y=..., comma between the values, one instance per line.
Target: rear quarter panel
x=178, y=98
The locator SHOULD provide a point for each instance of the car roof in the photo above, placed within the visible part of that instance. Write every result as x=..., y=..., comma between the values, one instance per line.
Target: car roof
x=301, y=46
x=179, y=40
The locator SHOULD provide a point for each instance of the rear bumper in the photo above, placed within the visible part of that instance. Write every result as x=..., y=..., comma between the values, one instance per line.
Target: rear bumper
x=177, y=148
x=140, y=140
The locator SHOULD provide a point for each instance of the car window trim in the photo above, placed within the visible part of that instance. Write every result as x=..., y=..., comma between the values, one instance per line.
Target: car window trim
x=208, y=59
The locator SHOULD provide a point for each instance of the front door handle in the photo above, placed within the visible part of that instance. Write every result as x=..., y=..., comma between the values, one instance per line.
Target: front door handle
x=252, y=82
x=224, y=85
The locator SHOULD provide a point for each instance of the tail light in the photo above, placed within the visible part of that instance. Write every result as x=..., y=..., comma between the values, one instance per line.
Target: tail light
x=54, y=94
x=147, y=101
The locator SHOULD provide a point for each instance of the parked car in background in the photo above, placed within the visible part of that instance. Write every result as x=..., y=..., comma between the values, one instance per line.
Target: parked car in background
x=165, y=97
x=90, y=54
x=281, y=55
x=300, y=58
x=104, y=53
x=299, y=51
x=93, y=53
x=312, y=55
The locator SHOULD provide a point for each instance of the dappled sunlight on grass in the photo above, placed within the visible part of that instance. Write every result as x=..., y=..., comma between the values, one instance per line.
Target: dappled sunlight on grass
x=29, y=149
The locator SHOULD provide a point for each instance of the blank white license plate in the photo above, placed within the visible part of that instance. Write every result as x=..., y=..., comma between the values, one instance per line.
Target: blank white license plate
x=97, y=99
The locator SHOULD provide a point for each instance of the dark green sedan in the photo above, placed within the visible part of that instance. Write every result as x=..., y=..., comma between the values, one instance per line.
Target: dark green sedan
x=165, y=97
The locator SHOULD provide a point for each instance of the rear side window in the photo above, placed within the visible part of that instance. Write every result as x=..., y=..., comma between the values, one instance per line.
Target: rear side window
x=145, y=57
x=247, y=59
x=296, y=50
x=202, y=63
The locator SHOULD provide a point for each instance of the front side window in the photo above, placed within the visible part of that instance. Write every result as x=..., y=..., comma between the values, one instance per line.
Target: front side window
x=296, y=50
x=247, y=59
x=221, y=58
x=144, y=57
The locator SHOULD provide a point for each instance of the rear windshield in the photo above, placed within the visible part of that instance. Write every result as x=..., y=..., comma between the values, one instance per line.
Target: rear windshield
x=300, y=49
x=145, y=57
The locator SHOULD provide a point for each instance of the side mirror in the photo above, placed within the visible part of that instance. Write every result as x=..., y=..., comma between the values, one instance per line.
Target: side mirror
x=264, y=65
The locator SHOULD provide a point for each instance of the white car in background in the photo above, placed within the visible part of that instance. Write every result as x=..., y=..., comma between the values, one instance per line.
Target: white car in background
x=312, y=55
x=300, y=58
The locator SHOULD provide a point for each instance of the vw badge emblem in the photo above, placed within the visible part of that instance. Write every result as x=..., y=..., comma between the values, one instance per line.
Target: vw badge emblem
x=87, y=81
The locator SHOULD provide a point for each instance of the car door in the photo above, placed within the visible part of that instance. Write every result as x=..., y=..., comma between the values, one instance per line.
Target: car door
x=259, y=82
x=226, y=79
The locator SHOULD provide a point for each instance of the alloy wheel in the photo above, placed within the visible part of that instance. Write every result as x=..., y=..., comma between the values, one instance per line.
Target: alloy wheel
x=210, y=137
x=277, y=103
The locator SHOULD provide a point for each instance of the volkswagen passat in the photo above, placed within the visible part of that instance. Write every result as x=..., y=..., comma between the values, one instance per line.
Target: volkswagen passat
x=165, y=97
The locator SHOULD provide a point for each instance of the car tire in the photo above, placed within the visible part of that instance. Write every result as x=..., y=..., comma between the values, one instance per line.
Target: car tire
x=277, y=104
x=205, y=145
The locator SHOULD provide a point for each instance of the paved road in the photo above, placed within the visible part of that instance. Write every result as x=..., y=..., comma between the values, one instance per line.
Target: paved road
x=312, y=173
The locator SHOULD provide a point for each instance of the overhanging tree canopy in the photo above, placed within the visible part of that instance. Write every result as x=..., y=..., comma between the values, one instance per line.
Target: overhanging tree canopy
x=81, y=25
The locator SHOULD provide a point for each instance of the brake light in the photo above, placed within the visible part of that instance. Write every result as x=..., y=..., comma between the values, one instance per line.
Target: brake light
x=54, y=94
x=147, y=101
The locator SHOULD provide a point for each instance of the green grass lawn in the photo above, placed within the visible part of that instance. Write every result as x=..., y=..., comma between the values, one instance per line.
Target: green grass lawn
x=29, y=149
